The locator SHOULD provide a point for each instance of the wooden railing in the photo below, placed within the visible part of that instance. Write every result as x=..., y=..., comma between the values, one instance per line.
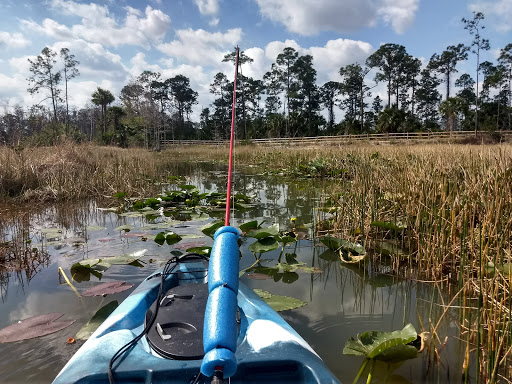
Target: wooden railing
x=346, y=139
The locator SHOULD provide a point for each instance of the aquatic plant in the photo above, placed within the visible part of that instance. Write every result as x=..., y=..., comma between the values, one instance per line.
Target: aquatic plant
x=391, y=347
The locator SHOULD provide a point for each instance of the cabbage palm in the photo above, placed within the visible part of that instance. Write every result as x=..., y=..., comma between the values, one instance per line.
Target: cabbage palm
x=103, y=97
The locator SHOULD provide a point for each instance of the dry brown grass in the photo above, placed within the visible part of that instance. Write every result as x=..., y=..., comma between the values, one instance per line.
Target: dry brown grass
x=79, y=171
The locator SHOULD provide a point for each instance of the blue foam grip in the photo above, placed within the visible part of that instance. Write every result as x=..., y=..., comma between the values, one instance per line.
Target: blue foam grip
x=224, y=260
x=219, y=357
x=220, y=328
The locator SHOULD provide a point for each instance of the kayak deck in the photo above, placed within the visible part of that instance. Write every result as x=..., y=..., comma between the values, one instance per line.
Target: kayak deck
x=268, y=349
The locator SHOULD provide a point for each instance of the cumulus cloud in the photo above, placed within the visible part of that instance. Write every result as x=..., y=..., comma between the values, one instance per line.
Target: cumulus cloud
x=399, y=13
x=328, y=59
x=13, y=40
x=500, y=12
x=307, y=17
x=97, y=66
x=201, y=47
x=208, y=7
x=98, y=26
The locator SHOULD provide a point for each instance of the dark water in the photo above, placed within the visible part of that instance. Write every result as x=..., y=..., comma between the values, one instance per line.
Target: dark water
x=342, y=302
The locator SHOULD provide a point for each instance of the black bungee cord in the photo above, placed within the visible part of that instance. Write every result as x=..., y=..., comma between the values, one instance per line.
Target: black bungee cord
x=168, y=269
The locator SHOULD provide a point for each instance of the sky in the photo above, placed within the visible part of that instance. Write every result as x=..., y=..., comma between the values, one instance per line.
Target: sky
x=115, y=40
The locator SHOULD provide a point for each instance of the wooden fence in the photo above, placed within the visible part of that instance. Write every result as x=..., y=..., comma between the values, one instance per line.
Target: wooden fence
x=378, y=138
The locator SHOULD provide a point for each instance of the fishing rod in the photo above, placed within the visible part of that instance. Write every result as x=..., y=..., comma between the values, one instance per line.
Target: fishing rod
x=231, y=142
x=220, y=330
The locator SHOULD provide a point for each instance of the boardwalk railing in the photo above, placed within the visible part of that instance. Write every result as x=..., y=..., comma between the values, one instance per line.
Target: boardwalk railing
x=346, y=139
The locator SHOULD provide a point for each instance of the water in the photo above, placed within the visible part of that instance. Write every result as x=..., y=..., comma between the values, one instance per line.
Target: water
x=342, y=301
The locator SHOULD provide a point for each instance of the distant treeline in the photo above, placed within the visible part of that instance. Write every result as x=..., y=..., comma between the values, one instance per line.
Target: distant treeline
x=287, y=102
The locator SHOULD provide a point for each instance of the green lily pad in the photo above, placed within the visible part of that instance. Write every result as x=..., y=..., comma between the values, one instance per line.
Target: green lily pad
x=389, y=226
x=122, y=259
x=47, y=231
x=131, y=214
x=266, y=244
x=200, y=250
x=210, y=228
x=246, y=227
x=99, y=317
x=387, y=346
x=336, y=244
x=286, y=239
x=168, y=237
x=261, y=233
x=199, y=217
x=280, y=303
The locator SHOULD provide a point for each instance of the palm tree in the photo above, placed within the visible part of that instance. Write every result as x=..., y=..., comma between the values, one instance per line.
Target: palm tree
x=450, y=108
x=103, y=97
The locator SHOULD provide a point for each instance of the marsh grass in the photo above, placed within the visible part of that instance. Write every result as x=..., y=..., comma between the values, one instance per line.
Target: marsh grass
x=454, y=200
x=456, y=204
x=70, y=172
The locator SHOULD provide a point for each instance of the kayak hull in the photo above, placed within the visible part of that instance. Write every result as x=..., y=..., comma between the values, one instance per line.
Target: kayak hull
x=268, y=349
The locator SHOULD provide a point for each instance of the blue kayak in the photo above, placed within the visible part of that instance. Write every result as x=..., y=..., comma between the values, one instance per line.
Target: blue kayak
x=188, y=327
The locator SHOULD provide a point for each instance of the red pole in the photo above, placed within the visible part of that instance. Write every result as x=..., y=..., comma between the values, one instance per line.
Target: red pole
x=228, y=197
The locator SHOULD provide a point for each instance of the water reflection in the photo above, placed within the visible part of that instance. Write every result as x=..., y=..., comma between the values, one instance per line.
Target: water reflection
x=343, y=300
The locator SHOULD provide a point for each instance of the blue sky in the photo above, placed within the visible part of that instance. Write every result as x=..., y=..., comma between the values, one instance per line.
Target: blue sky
x=116, y=40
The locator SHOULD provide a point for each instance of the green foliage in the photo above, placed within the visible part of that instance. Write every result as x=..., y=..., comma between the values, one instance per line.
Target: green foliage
x=387, y=346
x=98, y=318
x=280, y=303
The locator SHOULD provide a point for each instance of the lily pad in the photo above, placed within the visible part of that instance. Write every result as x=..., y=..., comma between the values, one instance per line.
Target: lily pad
x=387, y=346
x=52, y=231
x=389, y=226
x=131, y=214
x=33, y=327
x=199, y=217
x=258, y=276
x=210, y=228
x=75, y=240
x=107, y=288
x=246, y=227
x=200, y=250
x=168, y=237
x=127, y=258
x=337, y=244
x=266, y=244
x=346, y=257
x=280, y=303
x=261, y=233
x=99, y=317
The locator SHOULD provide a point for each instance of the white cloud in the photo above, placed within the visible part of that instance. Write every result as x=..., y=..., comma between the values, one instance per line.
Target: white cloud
x=208, y=7
x=399, y=13
x=98, y=26
x=13, y=40
x=97, y=66
x=500, y=12
x=201, y=47
x=328, y=59
x=307, y=17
